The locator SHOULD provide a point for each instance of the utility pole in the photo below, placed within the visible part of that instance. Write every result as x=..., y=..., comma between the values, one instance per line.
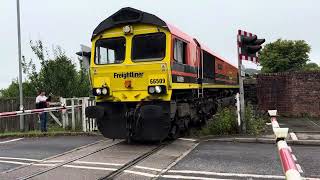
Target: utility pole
x=242, y=127
x=20, y=67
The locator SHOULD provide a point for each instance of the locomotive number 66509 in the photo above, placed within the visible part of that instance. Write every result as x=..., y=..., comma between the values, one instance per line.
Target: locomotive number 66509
x=157, y=81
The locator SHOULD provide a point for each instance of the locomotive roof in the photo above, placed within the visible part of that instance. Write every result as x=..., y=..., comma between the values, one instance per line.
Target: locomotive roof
x=130, y=15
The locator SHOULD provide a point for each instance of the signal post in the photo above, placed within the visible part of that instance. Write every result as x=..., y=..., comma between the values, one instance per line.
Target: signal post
x=248, y=47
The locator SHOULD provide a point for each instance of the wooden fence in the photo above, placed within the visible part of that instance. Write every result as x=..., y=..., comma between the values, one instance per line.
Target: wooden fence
x=72, y=119
x=13, y=123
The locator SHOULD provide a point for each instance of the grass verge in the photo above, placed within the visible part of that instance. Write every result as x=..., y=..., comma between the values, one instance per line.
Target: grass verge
x=47, y=134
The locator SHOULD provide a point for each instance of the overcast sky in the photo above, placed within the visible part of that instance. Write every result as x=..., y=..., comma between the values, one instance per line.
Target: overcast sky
x=69, y=23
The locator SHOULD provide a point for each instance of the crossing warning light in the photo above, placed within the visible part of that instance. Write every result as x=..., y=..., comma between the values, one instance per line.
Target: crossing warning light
x=248, y=46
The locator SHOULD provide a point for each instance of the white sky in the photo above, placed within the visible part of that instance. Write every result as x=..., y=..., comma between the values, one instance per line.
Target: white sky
x=69, y=23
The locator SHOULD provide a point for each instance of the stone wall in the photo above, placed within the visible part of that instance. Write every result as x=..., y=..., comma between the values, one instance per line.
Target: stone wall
x=292, y=94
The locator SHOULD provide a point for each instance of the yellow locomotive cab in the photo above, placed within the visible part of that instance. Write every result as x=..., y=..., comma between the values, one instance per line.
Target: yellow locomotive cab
x=119, y=65
x=151, y=80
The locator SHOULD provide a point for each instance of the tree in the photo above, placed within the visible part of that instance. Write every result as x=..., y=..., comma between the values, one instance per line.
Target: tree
x=57, y=76
x=311, y=67
x=284, y=55
x=13, y=89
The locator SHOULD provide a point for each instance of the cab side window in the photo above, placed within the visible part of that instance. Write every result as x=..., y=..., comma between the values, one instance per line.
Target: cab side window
x=179, y=52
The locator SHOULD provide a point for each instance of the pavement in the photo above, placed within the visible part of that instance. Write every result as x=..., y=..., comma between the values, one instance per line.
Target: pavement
x=302, y=128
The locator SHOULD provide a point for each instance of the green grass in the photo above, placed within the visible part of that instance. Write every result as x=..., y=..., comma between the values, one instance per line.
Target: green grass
x=53, y=130
x=41, y=134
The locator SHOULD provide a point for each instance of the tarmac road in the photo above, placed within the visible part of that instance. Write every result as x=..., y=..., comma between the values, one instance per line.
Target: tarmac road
x=184, y=159
x=242, y=161
x=38, y=148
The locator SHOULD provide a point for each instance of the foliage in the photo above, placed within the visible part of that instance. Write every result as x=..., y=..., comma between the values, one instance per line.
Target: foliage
x=225, y=122
x=13, y=89
x=255, y=123
x=284, y=55
x=311, y=67
x=57, y=76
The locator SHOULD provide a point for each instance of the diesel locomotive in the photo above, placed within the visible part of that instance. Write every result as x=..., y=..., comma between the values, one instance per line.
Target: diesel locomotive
x=151, y=80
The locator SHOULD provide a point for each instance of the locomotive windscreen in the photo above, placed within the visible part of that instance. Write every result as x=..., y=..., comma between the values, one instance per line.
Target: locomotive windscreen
x=110, y=51
x=148, y=47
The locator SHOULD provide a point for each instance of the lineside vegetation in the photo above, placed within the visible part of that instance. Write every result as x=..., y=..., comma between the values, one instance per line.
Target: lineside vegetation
x=224, y=122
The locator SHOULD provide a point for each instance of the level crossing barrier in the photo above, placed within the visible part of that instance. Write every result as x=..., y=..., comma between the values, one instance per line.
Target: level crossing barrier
x=289, y=166
x=67, y=106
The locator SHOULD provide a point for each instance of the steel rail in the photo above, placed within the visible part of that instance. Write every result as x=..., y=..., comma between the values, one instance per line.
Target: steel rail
x=69, y=161
x=130, y=164
x=52, y=157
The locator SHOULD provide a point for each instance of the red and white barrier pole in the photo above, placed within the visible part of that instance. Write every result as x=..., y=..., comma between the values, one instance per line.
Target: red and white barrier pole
x=287, y=162
x=34, y=111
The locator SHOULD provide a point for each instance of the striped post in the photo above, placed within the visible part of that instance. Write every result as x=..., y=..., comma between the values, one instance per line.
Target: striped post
x=288, y=163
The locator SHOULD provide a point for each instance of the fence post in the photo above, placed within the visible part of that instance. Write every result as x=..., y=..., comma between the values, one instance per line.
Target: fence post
x=78, y=110
x=84, y=122
x=73, y=121
x=95, y=127
x=63, y=102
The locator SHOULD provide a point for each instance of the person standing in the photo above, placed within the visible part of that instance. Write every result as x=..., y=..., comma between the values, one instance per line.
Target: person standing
x=41, y=102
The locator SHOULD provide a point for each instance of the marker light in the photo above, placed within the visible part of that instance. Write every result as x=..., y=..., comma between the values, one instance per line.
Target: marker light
x=127, y=29
x=158, y=89
x=151, y=89
x=98, y=91
x=104, y=91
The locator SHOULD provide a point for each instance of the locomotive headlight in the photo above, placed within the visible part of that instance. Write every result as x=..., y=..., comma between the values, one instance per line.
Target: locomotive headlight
x=98, y=91
x=151, y=90
x=104, y=91
x=158, y=89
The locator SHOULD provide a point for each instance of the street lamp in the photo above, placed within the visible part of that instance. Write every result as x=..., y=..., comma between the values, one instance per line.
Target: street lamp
x=20, y=66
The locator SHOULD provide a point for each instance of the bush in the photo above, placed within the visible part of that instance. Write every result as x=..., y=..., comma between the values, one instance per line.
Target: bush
x=255, y=122
x=225, y=122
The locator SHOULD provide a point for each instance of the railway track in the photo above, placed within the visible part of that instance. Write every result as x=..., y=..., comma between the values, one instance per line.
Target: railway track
x=111, y=175
x=69, y=161
x=135, y=161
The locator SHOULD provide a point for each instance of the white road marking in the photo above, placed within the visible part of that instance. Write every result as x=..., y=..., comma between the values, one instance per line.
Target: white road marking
x=12, y=140
x=177, y=160
x=53, y=161
x=294, y=157
x=293, y=136
x=140, y=173
x=13, y=162
x=227, y=174
x=299, y=168
x=90, y=167
x=188, y=177
x=22, y=159
x=148, y=168
x=188, y=139
x=97, y=163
